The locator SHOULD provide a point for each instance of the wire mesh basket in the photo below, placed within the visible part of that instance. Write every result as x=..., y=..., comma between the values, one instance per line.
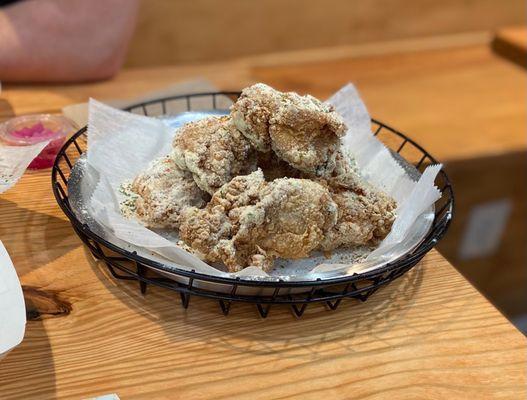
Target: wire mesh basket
x=128, y=265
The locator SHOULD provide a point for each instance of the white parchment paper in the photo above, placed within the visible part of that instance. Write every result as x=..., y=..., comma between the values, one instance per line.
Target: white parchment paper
x=78, y=113
x=12, y=307
x=14, y=161
x=121, y=144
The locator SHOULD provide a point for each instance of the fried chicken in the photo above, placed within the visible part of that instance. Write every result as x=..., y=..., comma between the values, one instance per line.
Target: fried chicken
x=351, y=194
x=365, y=214
x=362, y=219
x=252, y=113
x=307, y=193
x=301, y=130
x=214, y=151
x=274, y=168
x=250, y=222
x=163, y=190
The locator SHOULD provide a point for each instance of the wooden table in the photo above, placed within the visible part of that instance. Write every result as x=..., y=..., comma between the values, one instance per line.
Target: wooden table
x=428, y=335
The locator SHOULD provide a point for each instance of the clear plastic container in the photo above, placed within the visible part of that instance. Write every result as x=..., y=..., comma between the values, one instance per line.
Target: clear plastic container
x=30, y=129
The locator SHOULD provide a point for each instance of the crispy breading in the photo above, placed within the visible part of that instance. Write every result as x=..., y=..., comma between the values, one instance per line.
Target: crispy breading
x=163, y=190
x=214, y=151
x=365, y=214
x=307, y=194
x=363, y=218
x=274, y=168
x=301, y=130
x=251, y=222
x=251, y=114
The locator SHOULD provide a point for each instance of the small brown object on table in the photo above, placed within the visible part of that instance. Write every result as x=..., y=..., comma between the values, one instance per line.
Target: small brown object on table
x=429, y=334
x=511, y=43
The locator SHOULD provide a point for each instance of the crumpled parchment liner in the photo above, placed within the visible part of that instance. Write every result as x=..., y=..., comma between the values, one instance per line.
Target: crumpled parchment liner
x=121, y=144
x=14, y=161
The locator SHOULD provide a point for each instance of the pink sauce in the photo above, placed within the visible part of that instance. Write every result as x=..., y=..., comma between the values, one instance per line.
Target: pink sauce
x=38, y=133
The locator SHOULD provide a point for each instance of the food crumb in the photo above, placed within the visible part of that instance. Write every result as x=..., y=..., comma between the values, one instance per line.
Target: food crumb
x=128, y=204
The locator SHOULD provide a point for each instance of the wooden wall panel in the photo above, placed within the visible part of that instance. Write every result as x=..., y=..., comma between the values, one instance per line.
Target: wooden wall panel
x=175, y=31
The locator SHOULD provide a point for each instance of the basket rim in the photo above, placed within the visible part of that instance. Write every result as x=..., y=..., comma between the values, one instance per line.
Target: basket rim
x=431, y=239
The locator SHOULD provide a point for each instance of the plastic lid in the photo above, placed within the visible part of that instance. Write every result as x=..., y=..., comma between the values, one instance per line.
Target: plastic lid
x=31, y=129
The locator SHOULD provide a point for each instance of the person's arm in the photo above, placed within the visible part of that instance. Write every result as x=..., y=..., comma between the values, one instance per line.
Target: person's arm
x=64, y=40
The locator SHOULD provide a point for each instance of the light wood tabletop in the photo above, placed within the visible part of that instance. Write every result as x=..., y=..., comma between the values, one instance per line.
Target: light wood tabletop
x=429, y=334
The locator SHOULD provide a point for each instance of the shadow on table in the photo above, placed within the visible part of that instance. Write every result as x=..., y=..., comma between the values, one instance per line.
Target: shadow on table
x=31, y=361
x=486, y=241
x=280, y=332
x=32, y=238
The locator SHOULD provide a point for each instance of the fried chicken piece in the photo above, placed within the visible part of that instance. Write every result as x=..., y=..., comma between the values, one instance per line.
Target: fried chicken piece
x=297, y=214
x=214, y=151
x=250, y=222
x=209, y=232
x=274, y=168
x=301, y=130
x=163, y=190
x=306, y=133
x=365, y=214
x=252, y=112
x=346, y=174
x=362, y=219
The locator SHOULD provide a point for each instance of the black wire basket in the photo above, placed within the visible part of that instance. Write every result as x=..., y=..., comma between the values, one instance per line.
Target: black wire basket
x=126, y=265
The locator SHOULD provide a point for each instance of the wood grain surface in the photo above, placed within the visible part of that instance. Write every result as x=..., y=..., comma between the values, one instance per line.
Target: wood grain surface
x=428, y=335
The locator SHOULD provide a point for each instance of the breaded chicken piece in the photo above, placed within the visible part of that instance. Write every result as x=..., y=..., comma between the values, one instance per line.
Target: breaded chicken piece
x=274, y=168
x=306, y=133
x=365, y=214
x=250, y=222
x=163, y=190
x=209, y=232
x=214, y=151
x=252, y=112
x=363, y=218
x=346, y=174
x=301, y=130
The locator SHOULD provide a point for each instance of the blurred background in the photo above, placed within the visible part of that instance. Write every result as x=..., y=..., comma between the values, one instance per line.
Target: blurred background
x=179, y=31
x=450, y=74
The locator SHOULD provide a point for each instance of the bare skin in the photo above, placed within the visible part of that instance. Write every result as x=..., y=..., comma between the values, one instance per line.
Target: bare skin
x=64, y=40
